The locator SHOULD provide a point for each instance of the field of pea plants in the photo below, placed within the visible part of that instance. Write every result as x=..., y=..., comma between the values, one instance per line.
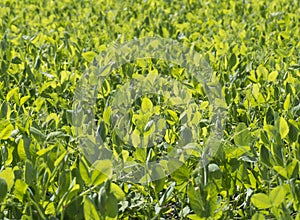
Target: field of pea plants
x=149, y=109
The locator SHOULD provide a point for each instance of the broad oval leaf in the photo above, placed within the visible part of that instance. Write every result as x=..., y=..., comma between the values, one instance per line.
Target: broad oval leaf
x=102, y=171
x=277, y=195
x=242, y=136
x=6, y=129
x=261, y=201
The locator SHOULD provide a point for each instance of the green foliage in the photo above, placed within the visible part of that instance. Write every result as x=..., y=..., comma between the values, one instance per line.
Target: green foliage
x=253, y=49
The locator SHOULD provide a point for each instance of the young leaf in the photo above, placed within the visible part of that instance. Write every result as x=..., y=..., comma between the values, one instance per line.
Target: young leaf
x=273, y=76
x=21, y=150
x=261, y=201
x=6, y=129
x=283, y=127
x=8, y=175
x=286, y=103
x=277, y=195
x=89, y=56
x=20, y=189
x=146, y=105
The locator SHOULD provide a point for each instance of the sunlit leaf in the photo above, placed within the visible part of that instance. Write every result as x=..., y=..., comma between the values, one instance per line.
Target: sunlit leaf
x=90, y=211
x=261, y=201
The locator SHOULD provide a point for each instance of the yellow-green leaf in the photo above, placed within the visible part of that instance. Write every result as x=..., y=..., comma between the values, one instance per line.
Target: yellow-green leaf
x=89, y=56
x=20, y=189
x=287, y=101
x=102, y=171
x=117, y=191
x=146, y=104
x=283, y=127
x=21, y=150
x=8, y=175
x=90, y=211
x=261, y=201
x=5, y=130
x=273, y=76
x=277, y=195
x=84, y=173
x=282, y=171
x=258, y=216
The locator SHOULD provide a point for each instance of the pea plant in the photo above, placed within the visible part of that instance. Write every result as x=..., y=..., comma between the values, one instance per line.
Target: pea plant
x=150, y=109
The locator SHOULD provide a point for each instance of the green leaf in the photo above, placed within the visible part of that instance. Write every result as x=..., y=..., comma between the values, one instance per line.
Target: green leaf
x=89, y=56
x=178, y=170
x=262, y=72
x=9, y=177
x=20, y=189
x=158, y=177
x=50, y=209
x=75, y=209
x=232, y=61
x=64, y=76
x=270, y=116
x=258, y=216
x=277, y=195
x=135, y=139
x=140, y=154
x=90, y=211
x=59, y=159
x=293, y=131
x=287, y=102
x=13, y=92
x=292, y=169
x=172, y=117
x=45, y=150
x=21, y=150
x=102, y=171
x=30, y=173
x=146, y=105
x=195, y=201
x=3, y=189
x=117, y=191
x=194, y=217
x=24, y=99
x=106, y=115
x=37, y=134
x=16, y=60
x=265, y=156
x=283, y=127
x=6, y=129
x=273, y=76
x=261, y=201
x=242, y=136
x=281, y=170
x=111, y=206
x=84, y=172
